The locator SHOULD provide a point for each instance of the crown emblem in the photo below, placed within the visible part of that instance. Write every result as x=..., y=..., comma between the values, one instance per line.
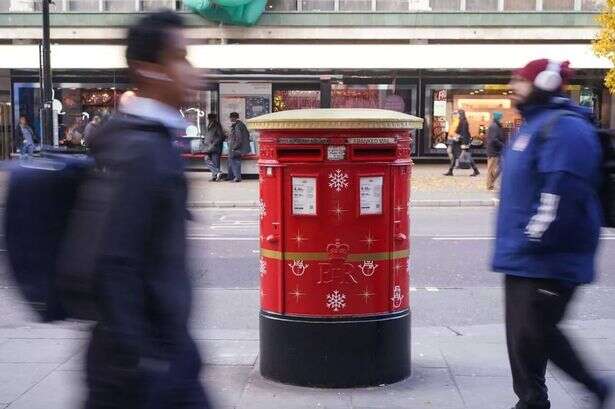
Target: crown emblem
x=338, y=250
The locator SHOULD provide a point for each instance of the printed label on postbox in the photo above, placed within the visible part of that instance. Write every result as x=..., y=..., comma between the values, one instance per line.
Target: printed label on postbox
x=371, y=195
x=304, y=196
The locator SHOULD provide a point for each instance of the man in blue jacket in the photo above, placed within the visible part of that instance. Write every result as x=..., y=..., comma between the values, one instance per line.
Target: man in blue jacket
x=548, y=229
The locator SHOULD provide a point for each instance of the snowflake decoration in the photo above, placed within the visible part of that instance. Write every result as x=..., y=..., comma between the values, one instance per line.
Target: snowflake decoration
x=263, y=267
x=336, y=301
x=338, y=180
x=262, y=209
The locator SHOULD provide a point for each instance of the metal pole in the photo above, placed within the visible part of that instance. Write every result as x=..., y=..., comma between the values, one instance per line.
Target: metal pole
x=47, y=110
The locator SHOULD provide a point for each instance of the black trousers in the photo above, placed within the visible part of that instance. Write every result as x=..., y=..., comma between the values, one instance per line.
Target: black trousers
x=534, y=308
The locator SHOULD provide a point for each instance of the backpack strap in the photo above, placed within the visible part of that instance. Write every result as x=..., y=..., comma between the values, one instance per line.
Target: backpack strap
x=547, y=127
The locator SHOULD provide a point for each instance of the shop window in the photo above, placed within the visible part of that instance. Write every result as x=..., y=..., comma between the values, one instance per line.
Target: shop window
x=479, y=103
x=285, y=100
x=481, y=5
x=282, y=5
x=24, y=6
x=392, y=5
x=445, y=5
x=318, y=5
x=520, y=5
x=119, y=5
x=355, y=5
x=375, y=96
x=593, y=5
x=83, y=5
x=150, y=5
x=558, y=5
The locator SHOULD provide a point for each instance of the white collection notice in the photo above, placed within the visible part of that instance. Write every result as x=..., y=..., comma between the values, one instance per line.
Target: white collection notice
x=371, y=195
x=304, y=196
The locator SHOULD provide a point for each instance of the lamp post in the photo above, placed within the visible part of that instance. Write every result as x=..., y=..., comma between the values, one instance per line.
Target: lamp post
x=46, y=85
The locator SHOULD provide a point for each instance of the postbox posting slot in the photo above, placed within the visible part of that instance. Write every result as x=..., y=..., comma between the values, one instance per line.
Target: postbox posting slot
x=373, y=152
x=313, y=153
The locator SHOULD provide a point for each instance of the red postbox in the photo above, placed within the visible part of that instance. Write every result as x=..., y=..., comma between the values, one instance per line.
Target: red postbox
x=334, y=211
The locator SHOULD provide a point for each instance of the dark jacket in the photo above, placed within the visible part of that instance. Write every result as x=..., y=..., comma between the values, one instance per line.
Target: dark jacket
x=239, y=139
x=550, y=214
x=463, y=130
x=495, y=140
x=214, y=138
x=141, y=355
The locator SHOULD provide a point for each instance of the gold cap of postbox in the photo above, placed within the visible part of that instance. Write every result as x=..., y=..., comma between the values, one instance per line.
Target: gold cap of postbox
x=336, y=119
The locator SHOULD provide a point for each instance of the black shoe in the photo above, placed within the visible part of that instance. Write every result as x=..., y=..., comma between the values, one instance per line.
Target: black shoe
x=218, y=177
x=448, y=174
x=476, y=173
x=236, y=180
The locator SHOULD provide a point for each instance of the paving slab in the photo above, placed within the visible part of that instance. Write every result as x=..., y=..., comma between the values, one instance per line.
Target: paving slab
x=39, y=350
x=497, y=392
x=261, y=393
x=17, y=379
x=427, y=388
x=476, y=359
x=427, y=355
x=60, y=390
x=582, y=396
x=228, y=352
x=225, y=384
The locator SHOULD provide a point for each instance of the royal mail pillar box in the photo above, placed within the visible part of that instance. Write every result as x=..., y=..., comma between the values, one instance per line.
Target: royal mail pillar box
x=334, y=238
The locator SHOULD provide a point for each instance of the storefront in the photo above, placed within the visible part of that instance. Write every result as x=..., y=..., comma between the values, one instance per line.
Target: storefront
x=433, y=95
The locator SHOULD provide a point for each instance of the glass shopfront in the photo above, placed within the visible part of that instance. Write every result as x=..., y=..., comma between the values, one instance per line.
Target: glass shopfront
x=480, y=101
x=435, y=99
x=76, y=104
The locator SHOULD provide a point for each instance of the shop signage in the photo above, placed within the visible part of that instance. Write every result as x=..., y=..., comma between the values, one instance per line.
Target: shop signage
x=439, y=108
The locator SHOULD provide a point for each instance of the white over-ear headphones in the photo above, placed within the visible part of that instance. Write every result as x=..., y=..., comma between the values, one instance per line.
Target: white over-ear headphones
x=551, y=78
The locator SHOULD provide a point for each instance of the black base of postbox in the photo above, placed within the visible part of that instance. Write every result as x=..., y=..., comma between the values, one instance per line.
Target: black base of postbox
x=335, y=353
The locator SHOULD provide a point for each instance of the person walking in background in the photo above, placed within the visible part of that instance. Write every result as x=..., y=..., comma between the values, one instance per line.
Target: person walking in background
x=214, y=140
x=238, y=145
x=141, y=355
x=91, y=128
x=495, y=145
x=25, y=138
x=548, y=229
x=453, y=148
x=462, y=144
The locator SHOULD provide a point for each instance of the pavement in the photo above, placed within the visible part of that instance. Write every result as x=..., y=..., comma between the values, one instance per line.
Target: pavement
x=454, y=366
x=429, y=189
x=459, y=358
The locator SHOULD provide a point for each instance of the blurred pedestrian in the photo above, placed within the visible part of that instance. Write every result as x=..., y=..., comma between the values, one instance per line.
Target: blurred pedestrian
x=495, y=145
x=142, y=355
x=214, y=141
x=461, y=145
x=26, y=138
x=238, y=145
x=453, y=148
x=548, y=229
x=91, y=128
